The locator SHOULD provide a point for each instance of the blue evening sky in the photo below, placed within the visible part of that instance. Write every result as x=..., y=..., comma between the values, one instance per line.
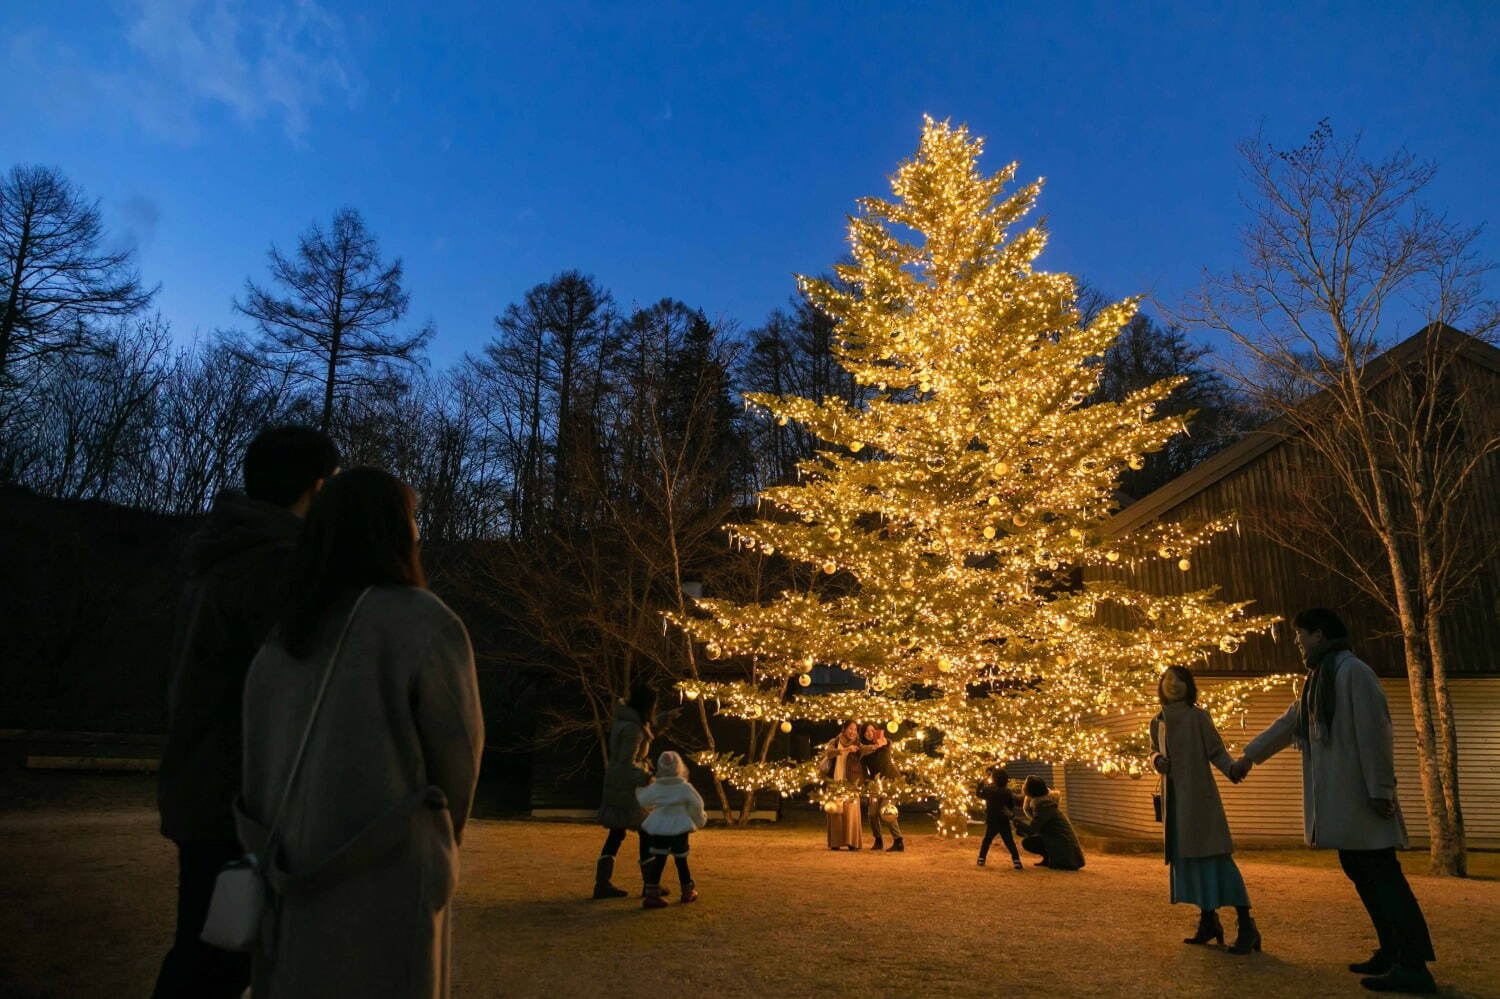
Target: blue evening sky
x=704, y=151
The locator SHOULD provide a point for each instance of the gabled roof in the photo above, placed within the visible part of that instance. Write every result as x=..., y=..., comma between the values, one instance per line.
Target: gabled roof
x=1279, y=430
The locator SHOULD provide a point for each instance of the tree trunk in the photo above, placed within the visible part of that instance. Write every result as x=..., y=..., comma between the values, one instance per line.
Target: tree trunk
x=1454, y=860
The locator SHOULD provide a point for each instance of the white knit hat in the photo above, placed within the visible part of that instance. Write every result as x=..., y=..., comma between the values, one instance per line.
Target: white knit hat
x=669, y=764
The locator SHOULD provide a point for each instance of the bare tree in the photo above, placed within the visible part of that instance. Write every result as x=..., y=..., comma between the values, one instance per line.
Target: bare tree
x=210, y=404
x=94, y=437
x=56, y=279
x=1338, y=249
x=332, y=327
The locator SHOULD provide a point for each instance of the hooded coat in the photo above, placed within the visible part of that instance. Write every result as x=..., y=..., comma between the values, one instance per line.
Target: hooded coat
x=1194, y=824
x=1340, y=774
x=676, y=807
x=1043, y=817
x=237, y=569
x=378, y=808
x=629, y=749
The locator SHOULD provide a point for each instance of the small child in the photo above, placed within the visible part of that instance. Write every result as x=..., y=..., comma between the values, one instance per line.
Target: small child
x=676, y=811
x=999, y=806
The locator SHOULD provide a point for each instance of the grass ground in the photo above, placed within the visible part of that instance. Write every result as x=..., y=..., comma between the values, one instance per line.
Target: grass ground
x=88, y=909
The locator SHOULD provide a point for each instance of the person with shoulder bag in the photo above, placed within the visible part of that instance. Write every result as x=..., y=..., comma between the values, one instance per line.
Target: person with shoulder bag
x=363, y=737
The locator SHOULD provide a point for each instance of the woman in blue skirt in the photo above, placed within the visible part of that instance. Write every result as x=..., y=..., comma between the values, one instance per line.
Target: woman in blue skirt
x=1198, y=848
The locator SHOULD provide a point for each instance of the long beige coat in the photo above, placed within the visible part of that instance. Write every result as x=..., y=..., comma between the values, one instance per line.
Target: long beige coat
x=1195, y=821
x=1340, y=776
x=401, y=715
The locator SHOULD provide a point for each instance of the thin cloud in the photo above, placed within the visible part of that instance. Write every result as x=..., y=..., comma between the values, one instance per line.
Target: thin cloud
x=182, y=60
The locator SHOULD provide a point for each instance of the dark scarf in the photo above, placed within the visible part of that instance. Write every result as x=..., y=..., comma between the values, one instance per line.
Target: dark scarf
x=1317, y=701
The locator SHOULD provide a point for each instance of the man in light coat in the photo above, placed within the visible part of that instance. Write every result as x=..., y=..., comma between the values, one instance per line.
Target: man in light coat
x=1342, y=725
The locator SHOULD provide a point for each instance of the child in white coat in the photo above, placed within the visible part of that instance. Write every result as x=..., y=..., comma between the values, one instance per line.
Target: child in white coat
x=676, y=811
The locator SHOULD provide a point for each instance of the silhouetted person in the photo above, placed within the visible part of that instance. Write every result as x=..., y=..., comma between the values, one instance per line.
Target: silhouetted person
x=1342, y=724
x=360, y=840
x=238, y=568
x=1000, y=804
x=630, y=733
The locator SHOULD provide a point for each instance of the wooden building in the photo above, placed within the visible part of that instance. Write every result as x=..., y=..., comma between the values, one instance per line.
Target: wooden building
x=1250, y=478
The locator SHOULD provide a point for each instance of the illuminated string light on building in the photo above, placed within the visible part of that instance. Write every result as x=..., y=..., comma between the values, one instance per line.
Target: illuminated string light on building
x=952, y=515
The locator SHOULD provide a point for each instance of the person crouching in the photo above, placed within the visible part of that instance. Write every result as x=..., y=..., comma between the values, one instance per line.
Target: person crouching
x=1045, y=830
x=676, y=811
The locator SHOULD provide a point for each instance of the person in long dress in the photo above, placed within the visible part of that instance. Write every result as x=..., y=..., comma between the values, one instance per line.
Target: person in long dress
x=1195, y=831
x=364, y=857
x=842, y=767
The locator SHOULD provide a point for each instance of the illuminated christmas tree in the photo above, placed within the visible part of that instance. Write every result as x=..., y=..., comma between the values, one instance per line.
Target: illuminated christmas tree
x=950, y=520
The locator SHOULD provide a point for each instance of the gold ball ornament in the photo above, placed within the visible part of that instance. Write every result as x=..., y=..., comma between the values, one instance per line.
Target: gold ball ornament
x=1184, y=565
x=856, y=447
x=989, y=533
x=786, y=726
x=713, y=651
x=1230, y=645
x=804, y=680
x=830, y=568
x=830, y=807
x=1112, y=556
x=1136, y=462
x=691, y=695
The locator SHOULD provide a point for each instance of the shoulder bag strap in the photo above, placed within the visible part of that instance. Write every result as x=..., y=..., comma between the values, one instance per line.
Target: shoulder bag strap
x=291, y=777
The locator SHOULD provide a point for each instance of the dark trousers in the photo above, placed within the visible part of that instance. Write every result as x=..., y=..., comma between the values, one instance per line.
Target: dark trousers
x=616, y=837
x=1000, y=828
x=1399, y=924
x=192, y=968
x=659, y=847
x=1036, y=845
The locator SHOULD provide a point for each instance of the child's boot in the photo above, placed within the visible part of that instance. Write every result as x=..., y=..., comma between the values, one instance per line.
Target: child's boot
x=689, y=894
x=653, y=898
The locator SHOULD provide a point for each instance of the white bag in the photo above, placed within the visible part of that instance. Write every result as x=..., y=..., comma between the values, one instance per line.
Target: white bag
x=235, y=912
x=240, y=893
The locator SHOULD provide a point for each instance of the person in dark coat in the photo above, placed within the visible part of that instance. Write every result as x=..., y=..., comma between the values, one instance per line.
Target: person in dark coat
x=1342, y=724
x=1195, y=830
x=630, y=734
x=875, y=758
x=238, y=567
x=1045, y=830
x=1000, y=804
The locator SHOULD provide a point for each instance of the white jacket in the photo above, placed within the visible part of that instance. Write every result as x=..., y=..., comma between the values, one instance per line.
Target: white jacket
x=676, y=807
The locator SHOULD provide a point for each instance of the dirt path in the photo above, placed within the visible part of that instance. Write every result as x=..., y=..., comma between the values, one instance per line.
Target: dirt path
x=88, y=902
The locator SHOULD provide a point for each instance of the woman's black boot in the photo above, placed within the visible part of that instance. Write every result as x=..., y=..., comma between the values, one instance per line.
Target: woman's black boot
x=1209, y=928
x=1248, y=936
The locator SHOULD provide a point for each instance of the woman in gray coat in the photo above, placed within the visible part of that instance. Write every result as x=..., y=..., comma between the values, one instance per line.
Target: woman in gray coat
x=363, y=859
x=630, y=734
x=1196, y=833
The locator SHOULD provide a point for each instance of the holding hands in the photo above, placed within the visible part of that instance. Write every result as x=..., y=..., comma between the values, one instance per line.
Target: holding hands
x=1240, y=769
